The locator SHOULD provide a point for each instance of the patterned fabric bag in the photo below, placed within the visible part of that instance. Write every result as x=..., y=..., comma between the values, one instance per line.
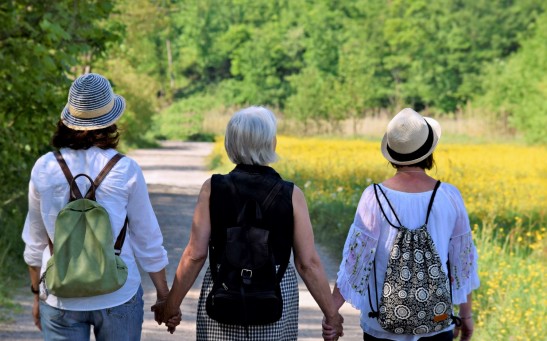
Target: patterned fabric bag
x=417, y=294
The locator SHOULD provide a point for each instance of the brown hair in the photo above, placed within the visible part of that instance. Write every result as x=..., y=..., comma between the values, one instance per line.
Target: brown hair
x=104, y=138
x=426, y=163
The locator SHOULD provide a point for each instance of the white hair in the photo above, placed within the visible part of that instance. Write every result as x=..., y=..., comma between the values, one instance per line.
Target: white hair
x=250, y=137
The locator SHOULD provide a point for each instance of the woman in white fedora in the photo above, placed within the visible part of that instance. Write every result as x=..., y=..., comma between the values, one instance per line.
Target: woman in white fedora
x=408, y=145
x=86, y=138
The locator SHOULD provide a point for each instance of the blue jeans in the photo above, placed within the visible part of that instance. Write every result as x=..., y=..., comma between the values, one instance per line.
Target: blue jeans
x=120, y=323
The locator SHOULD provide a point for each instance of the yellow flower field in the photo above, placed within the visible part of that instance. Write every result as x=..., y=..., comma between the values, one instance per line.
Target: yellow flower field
x=504, y=187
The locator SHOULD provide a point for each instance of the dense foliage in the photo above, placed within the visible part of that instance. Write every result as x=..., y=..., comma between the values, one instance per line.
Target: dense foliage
x=42, y=43
x=330, y=60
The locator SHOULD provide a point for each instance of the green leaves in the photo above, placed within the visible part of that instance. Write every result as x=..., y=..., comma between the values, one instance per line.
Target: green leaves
x=42, y=45
x=516, y=89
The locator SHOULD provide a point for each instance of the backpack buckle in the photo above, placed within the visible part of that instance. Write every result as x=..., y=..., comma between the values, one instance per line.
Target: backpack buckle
x=246, y=273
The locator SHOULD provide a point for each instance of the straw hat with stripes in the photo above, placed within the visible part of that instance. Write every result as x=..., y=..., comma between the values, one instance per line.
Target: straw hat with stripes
x=92, y=104
x=410, y=138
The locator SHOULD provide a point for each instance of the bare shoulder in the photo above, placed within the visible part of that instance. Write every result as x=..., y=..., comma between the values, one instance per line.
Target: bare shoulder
x=206, y=187
x=298, y=195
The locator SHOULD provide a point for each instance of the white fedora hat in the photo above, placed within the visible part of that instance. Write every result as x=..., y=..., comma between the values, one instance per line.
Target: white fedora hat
x=92, y=104
x=410, y=138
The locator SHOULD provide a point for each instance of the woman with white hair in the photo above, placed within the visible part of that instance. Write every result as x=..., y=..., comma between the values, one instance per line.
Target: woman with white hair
x=398, y=207
x=250, y=142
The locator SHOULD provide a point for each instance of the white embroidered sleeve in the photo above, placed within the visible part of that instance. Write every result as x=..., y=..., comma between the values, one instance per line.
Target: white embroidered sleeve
x=463, y=267
x=356, y=266
x=462, y=253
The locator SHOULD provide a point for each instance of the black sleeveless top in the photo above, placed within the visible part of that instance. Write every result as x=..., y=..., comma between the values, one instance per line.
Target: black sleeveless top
x=251, y=182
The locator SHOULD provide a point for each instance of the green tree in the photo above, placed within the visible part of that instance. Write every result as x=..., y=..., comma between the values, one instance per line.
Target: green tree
x=141, y=64
x=437, y=49
x=516, y=88
x=42, y=45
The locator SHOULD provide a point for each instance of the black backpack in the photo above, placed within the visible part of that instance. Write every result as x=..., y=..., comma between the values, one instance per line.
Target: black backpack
x=417, y=294
x=246, y=286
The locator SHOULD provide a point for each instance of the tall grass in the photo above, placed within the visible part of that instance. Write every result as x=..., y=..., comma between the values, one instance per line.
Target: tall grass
x=461, y=127
x=511, y=302
x=503, y=186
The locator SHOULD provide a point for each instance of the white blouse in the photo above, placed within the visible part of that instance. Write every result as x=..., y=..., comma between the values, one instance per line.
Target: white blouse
x=370, y=238
x=122, y=192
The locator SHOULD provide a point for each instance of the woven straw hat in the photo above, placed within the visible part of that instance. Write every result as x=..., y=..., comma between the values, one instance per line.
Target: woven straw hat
x=92, y=104
x=410, y=138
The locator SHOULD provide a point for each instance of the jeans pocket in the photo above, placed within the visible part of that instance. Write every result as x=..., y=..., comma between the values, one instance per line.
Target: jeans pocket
x=126, y=308
x=51, y=313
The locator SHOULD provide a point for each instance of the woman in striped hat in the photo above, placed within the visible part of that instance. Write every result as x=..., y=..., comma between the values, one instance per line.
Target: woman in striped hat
x=86, y=138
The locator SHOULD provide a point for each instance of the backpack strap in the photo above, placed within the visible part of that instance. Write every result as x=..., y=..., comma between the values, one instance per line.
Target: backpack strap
x=373, y=313
x=266, y=205
x=376, y=187
x=121, y=238
x=102, y=174
x=431, y=201
x=76, y=194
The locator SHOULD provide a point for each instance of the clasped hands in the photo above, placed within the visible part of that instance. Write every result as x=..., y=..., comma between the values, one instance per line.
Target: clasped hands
x=332, y=327
x=164, y=314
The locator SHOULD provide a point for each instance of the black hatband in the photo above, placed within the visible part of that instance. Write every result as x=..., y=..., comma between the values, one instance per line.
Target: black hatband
x=417, y=153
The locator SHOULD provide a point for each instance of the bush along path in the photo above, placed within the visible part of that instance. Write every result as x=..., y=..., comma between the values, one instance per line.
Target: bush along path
x=174, y=174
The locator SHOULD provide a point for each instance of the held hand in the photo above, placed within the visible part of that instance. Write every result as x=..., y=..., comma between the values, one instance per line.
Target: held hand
x=158, y=309
x=36, y=312
x=332, y=327
x=173, y=322
x=162, y=315
x=329, y=333
x=466, y=329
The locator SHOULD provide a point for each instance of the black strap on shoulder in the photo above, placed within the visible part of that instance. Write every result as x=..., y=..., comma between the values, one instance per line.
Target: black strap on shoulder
x=431, y=201
x=266, y=205
x=376, y=187
x=76, y=194
x=430, y=205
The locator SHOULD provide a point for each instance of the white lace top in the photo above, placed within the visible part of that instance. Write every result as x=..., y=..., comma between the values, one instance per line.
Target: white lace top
x=371, y=237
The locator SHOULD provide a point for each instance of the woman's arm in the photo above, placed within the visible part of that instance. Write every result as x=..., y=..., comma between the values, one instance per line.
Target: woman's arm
x=308, y=263
x=466, y=314
x=194, y=254
x=337, y=297
x=34, y=273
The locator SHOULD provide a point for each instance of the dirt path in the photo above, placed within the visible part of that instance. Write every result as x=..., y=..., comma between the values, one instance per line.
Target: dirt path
x=174, y=175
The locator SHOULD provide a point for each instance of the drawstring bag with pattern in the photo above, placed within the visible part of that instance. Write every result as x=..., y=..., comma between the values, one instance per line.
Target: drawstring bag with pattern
x=417, y=294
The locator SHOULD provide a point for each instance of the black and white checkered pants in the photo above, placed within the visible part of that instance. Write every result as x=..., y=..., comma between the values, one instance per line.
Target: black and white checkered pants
x=286, y=329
